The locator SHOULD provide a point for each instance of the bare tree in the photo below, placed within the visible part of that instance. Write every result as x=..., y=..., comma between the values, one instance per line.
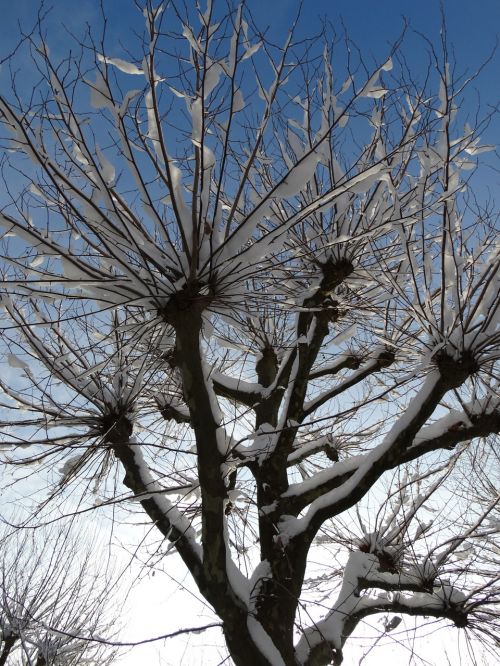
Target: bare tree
x=52, y=602
x=262, y=287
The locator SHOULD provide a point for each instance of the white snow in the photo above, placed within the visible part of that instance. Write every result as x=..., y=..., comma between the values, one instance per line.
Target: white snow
x=236, y=384
x=100, y=95
x=264, y=642
x=122, y=65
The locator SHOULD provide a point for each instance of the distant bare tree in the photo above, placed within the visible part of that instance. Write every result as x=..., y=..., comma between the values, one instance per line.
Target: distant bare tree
x=51, y=602
x=256, y=279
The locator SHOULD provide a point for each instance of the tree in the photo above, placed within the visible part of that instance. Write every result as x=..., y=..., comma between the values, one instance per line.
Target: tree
x=51, y=601
x=269, y=296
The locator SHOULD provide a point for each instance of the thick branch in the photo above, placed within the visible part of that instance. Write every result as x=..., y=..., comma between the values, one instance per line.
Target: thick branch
x=370, y=467
x=236, y=389
x=383, y=360
x=324, y=445
x=164, y=515
x=326, y=639
x=344, y=363
x=480, y=425
x=302, y=494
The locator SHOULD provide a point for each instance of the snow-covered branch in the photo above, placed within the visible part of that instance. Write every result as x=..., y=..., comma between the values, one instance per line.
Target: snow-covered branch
x=363, y=571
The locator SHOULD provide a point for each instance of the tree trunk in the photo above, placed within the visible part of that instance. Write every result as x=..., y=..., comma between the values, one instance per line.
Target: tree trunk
x=8, y=644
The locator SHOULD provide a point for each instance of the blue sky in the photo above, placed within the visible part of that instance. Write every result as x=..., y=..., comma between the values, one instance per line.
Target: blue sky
x=472, y=28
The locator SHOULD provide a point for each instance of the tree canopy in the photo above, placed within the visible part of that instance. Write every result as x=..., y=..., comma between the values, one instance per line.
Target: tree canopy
x=251, y=288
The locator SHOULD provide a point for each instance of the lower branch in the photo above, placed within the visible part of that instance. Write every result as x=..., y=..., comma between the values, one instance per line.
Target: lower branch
x=324, y=642
x=162, y=512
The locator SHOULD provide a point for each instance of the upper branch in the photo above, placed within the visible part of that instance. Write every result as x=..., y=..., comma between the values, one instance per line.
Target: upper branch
x=383, y=360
